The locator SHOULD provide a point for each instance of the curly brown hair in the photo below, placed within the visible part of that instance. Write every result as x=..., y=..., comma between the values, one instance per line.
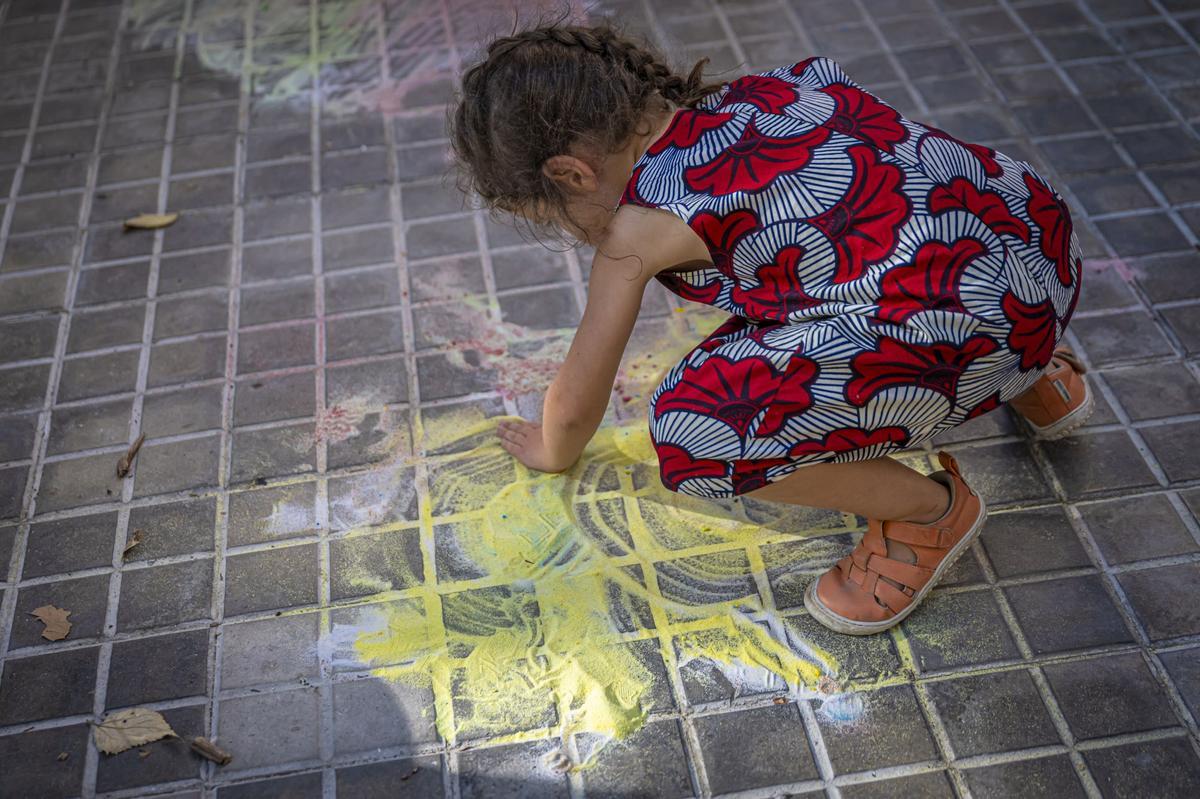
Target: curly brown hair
x=552, y=90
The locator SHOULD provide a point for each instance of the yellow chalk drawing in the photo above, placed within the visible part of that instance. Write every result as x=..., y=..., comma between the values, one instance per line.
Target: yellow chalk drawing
x=559, y=604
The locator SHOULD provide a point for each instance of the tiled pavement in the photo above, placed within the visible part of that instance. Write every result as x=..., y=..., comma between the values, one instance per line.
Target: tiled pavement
x=317, y=250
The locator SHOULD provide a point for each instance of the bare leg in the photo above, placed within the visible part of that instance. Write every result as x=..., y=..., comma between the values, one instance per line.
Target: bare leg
x=880, y=488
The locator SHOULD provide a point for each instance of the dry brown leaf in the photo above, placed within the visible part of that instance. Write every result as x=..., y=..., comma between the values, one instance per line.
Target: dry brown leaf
x=126, y=729
x=55, y=620
x=138, y=537
x=210, y=751
x=125, y=464
x=62, y=756
x=150, y=221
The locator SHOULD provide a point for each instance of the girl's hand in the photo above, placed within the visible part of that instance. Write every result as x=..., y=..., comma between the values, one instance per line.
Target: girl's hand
x=523, y=440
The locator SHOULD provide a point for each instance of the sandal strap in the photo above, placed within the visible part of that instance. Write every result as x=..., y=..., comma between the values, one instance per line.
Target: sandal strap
x=907, y=574
x=919, y=535
x=895, y=599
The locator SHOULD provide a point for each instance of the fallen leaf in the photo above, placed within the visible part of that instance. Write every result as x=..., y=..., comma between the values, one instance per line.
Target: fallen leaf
x=126, y=729
x=150, y=221
x=62, y=756
x=135, y=539
x=126, y=461
x=143, y=753
x=207, y=749
x=55, y=620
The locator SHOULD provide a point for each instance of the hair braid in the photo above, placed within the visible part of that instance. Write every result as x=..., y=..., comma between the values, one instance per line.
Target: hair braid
x=548, y=90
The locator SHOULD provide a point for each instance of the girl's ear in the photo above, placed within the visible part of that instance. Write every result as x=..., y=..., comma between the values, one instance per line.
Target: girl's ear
x=572, y=173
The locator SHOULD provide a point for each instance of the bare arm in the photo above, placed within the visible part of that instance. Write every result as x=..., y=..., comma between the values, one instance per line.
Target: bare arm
x=578, y=397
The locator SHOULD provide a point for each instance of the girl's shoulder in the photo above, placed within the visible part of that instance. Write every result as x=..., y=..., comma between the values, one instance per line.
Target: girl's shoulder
x=651, y=239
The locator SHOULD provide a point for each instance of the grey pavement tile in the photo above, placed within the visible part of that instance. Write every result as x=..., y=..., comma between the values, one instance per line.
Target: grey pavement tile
x=48, y=686
x=1137, y=528
x=160, y=596
x=273, y=452
x=199, y=228
x=28, y=339
x=274, y=579
x=421, y=776
x=442, y=377
x=372, y=713
x=98, y=375
x=269, y=399
x=1099, y=463
x=366, y=565
x=271, y=260
x=858, y=746
x=23, y=387
x=1171, y=766
x=354, y=169
x=1154, y=594
x=12, y=490
x=274, y=650
x=362, y=289
x=1183, y=321
x=271, y=514
x=16, y=435
x=1053, y=776
x=1032, y=541
x=187, y=271
x=162, y=468
x=1109, y=696
x=187, y=361
x=1003, y=473
x=1145, y=395
x=1174, y=446
x=651, y=762
x=266, y=729
x=959, y=629
x=69, y=544
x=1142, y=235
x=35, y=292
x=276, y=302
x=354, y=207
x=86, y=598
x=112, y=283
x=446, y=279
x=158, y=668
x=368, y=334
x=343, y=250
x=106, y=327
x=195, y=313
x=79, y=481
x=81, y=427
x=37, y=250
x=992, y=713
x=513, y=771
x=172, y=528
x=166, y=760
x=276, y=348
x=1071, y=613
x=186, y=410
x=1184, y=668
x=754, y=748
x=32, y=764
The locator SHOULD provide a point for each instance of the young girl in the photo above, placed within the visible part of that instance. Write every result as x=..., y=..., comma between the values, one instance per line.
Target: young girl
x=886, y=282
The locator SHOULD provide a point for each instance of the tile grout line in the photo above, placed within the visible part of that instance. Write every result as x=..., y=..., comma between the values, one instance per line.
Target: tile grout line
x=42, y=431
x=326, y=724
x=216, y=648
x=104, y=655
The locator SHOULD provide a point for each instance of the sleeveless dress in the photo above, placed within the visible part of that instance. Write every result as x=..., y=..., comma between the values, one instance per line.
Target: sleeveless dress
x=885, y=280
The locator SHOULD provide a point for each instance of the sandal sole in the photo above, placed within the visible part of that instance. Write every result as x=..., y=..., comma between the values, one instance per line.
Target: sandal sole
x=841, y=624
x=1069, y=423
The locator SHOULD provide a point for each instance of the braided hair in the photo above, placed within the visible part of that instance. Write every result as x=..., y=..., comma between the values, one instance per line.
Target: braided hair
x=546, y=91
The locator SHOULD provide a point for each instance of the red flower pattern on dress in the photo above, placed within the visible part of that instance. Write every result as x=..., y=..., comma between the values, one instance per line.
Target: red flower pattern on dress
x=752, y=475
x=705, y=293
x=630, y=195
x=733, y=391
x=864, y=117
x=1053, y=219
x=963, y=195
x=1032, y=332
x=990, y=404
x=687, y=127
x=864, y=224
x=724, y=332
x=848, y=439
x=936, y=367
x=675, y=464
x=764, y=92
x=753, y=161
x=792, y=397
x=985, y=155
x=779, y=291
x=799, y=67
x=722, y=234
x=929, y=283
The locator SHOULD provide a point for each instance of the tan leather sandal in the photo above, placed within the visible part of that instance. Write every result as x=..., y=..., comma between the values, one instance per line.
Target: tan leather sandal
x=896, y=564
x=1060, y=401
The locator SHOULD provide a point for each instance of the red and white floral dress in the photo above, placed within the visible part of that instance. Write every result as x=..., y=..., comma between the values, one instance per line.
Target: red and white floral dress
x=886, y=281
